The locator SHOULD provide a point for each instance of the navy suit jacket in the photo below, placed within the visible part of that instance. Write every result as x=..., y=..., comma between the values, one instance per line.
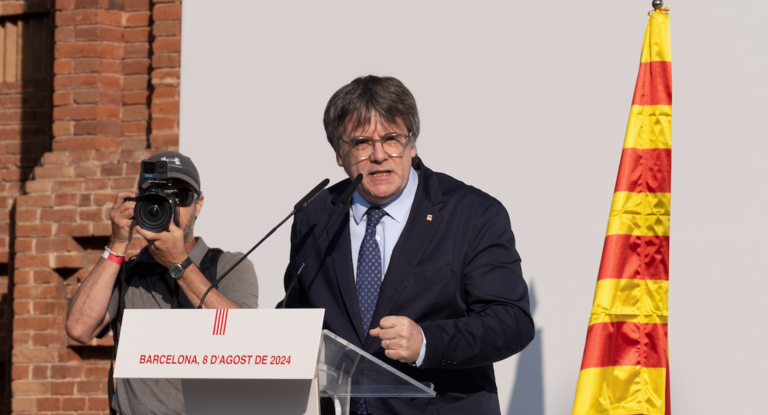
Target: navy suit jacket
x=454, y=271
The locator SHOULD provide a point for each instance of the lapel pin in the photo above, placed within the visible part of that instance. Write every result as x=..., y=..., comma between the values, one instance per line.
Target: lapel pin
x=429, y=217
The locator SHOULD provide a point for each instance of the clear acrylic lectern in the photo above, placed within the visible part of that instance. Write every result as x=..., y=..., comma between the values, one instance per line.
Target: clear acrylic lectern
x=345, y=371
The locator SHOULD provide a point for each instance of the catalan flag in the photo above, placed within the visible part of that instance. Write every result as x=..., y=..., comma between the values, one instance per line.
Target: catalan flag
x=625, y=368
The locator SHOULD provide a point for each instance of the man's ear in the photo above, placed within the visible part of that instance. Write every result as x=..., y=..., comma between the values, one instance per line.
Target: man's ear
x=200, y=201
x=338, y=159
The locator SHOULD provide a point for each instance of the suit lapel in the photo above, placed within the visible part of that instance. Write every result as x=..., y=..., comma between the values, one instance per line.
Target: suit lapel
x=341, y=246
x=410, y=247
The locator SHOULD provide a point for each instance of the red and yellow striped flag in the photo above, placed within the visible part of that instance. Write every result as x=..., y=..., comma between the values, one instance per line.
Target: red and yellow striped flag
x=625, y=368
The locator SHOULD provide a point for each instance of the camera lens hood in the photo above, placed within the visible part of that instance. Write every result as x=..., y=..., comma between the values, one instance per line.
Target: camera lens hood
x=153, y=212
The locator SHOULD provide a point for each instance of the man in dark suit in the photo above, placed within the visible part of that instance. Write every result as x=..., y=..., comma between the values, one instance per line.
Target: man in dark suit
x=421, y=271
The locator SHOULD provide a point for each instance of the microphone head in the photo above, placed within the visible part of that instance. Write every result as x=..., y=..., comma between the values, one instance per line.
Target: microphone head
x=306, y=200
x=347, y=196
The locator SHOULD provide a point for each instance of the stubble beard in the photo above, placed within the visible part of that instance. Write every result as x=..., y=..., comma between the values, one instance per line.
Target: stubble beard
x=189, y=227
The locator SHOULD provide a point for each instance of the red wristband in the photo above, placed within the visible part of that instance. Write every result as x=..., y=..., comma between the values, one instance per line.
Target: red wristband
x=116, y=259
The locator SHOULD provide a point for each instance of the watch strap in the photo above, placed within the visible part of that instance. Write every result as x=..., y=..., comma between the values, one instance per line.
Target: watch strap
x=187, y=262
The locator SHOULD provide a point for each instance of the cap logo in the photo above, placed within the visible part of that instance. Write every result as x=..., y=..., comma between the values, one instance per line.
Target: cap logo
x=175, y=160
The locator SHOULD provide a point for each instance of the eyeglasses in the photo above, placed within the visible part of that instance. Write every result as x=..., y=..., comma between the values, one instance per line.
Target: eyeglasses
x=186, y=196
x=393, y=144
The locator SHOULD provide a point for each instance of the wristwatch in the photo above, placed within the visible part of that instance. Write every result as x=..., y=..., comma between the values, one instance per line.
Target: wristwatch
x=177, y=270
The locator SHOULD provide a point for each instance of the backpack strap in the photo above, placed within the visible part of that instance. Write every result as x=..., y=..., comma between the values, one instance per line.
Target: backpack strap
x=209, y=263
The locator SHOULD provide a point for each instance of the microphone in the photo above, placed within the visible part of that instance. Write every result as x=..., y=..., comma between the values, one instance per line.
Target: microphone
x=303, y=203
x=343, y=200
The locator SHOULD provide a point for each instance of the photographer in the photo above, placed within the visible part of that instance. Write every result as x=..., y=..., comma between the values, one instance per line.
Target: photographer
x=172, y=271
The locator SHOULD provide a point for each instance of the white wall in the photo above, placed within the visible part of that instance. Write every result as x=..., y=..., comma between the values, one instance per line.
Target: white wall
x=528, y=101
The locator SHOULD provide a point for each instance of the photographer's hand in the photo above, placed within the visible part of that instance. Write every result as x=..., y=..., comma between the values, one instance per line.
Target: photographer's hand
x=167, y=247
x=121, y=217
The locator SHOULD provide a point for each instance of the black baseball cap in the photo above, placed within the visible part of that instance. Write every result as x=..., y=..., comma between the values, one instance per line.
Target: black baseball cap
x=179, y=167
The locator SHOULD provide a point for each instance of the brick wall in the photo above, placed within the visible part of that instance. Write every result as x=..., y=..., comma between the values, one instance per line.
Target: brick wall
x=113, y=102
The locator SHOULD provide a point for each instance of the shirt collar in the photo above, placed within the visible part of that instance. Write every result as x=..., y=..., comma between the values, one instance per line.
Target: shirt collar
x=396, y=208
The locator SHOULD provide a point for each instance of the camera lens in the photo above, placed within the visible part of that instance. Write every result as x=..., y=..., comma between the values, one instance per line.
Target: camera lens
x=153, y=212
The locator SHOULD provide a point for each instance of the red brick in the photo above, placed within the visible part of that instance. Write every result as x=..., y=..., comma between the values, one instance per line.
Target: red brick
x=84, y=200
x=64, y=34
x=69, y=261
x=84, y=143
x=163, y=140
x=135, y=97
x=46, y=276
x=74, y=404
x=80, y=50
x=53, y=172
x=96, y=373
x=66, y=199
x=108, y=128
x=37, y=229
x=31, y=260
x=65, y=4
x=135, y=5
x=139, y=34
x=96, y=184
x=48, y=404
x=167, y=44
x=38, y=186
x=62, y=98
x=166, y=76
x=103, y=229
x=163, y=123
x=165, y=108
x=30, y=387
x=73, y=229
x=113, y=98
x=167, y=28
x=63, y=388
x=27, y=215
x=91, y=4
x=97, y=403
x=136, y=82
x=133, y=128
x=101, y=199
x=67, y=186
x=23, y=404
x=34, y=201
x=132, y=169
x=106, y=156
x=167, y=12
x=45, y=339
x=166, y=60
x=38, y=292
x=67, y=371
x=80, y=17
x=135, y=113
x=132, y=155
x=24, y=246
x=20, y=372
x=136, y=66
x=112, y=169
x=136, y=50
x=91, y=386
x=133, y=143
x=55, y=159
x=137, y=19
x=87, y=96
x=165, y=92
x=61, y=128
x=102, y=33
x=80, y=157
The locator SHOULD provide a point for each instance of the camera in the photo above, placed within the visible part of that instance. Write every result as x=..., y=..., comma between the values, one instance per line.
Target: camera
x=156, y=206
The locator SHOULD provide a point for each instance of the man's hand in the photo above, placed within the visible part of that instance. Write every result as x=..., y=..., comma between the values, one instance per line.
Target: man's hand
x=167, y=247
x=121, y=217
x=400, y=337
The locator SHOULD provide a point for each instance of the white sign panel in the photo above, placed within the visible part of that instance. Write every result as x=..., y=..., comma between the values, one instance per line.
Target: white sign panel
x=219, y=344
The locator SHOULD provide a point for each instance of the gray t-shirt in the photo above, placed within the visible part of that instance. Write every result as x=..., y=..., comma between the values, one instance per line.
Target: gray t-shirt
x=147, y=291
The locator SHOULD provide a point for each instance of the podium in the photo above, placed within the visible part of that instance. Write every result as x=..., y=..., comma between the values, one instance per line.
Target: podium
x=247, y=361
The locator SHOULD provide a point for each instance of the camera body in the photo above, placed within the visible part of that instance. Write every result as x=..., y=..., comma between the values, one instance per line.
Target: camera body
x=156, y=207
